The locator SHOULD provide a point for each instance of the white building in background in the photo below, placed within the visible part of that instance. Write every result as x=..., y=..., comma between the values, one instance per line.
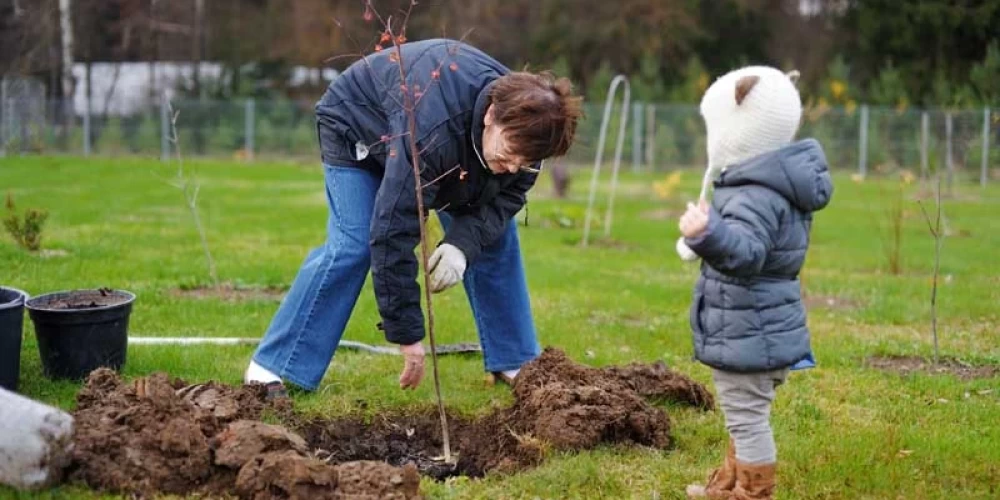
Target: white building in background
x=809, y=8
x=139, y=85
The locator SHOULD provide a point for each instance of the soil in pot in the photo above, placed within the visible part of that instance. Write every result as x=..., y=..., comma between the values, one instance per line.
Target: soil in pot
x=81, y=330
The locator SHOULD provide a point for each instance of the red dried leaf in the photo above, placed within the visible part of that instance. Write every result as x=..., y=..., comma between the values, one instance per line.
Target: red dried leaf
x=378, y=48
x=453, y=66
x=435, y=74
x=369, y=16
x=386, y=37
x=392, y=153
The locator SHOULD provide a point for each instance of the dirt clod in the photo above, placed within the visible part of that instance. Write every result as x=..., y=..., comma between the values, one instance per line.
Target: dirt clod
x=289, y=475
x=245, y=439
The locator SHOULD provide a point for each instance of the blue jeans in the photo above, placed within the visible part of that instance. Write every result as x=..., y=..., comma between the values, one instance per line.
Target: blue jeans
x=300, y=342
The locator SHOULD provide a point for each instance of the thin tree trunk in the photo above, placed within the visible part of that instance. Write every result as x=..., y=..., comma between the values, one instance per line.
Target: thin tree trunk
x=66, y=29
x=65, y=106
x=196, y=55
x=938, y=233
x=154, y=54
x=409, y=105
x=938, y=237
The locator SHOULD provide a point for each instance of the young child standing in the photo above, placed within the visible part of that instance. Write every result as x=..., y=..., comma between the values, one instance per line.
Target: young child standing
x=747, y=317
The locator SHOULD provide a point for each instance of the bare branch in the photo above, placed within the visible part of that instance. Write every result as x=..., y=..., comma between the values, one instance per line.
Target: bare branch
x=343, y=56
x=428, y=143
x=442, y=176
x=927, y=218
x=362, y=55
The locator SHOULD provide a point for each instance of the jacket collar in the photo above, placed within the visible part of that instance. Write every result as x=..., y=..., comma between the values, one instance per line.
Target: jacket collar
x=478, y=127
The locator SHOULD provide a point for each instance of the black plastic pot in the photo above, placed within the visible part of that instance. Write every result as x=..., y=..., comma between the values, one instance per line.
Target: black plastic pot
x=11, y=327
x=81, y=330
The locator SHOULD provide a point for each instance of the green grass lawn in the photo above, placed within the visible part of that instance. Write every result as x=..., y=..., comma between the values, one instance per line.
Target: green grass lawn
x=843, y=431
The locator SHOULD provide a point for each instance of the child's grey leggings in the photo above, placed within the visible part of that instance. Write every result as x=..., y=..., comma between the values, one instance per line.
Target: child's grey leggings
x=746, y=402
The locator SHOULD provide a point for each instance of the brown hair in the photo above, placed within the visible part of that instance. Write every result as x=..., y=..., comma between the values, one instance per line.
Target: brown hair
x=538, y=111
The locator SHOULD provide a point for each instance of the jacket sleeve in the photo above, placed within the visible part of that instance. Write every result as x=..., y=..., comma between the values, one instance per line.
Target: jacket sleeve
x=739, y=237
x=395, y=232
x=472, y=232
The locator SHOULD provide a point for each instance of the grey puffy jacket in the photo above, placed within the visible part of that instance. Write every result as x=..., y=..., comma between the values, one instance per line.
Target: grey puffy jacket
x=747, y=314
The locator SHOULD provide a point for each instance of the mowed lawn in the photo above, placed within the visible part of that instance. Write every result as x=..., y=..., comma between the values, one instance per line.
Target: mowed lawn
x=843, y=430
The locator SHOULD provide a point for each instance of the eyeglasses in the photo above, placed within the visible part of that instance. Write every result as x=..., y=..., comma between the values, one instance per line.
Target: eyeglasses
x=499, y=156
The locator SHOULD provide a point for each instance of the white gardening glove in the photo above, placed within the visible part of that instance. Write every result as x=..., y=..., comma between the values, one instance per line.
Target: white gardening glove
x=447, y=265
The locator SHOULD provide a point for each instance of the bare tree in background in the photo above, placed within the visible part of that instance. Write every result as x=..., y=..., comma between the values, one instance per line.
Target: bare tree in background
x=66, y=37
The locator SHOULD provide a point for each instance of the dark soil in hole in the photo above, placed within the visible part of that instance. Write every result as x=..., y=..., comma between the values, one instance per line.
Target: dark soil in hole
x=157, y=435
x=906, y=365
x=558, y=404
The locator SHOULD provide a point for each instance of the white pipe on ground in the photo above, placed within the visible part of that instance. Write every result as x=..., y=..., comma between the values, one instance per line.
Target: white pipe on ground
x=350, y=344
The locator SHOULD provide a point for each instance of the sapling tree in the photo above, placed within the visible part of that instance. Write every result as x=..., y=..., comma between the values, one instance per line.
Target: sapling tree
x=937, y=232
x=190, y=187
x=408, y=96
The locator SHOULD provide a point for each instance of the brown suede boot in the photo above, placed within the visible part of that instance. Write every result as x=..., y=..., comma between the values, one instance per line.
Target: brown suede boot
x=754, y=481
x=720, y=481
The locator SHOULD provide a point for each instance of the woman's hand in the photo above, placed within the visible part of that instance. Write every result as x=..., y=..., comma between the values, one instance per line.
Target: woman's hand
x=413, y=366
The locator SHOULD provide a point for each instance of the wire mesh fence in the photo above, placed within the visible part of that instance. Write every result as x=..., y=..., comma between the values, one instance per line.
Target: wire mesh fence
x=964, y=144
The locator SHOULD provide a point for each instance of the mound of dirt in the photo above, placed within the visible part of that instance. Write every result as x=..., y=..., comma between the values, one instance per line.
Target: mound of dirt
x=157, y=435
x=559, y=404
x=568, y=406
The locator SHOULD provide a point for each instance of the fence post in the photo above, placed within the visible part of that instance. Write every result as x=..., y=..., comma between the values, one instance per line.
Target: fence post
x=650, y=135
x=984, y=173
x=3, y=117
x=164, y=128
x=948, y=158
x=863, y=142
x=248, y=130
x=636, y=136
x=924, y=144
x=86, y=129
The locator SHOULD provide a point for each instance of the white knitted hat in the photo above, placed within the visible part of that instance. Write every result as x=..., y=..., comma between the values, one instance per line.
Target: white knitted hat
x=747, y=112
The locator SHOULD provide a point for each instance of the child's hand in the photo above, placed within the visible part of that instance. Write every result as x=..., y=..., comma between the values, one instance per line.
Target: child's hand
x=695, y=220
